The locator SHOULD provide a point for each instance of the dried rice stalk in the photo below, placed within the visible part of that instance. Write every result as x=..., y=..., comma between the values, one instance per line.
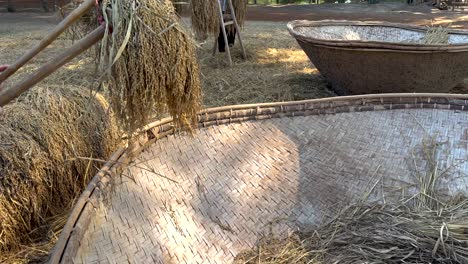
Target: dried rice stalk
x=205, y=18
x=152, y=64
x=376, y=233
x=83, y=26
x=181, y=6
x=41, y=135
x=240, y=7
x=272, y=250
x=426, y=227
x=436, y=35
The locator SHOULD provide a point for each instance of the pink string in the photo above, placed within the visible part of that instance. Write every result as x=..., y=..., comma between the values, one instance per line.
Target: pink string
x=100, y=17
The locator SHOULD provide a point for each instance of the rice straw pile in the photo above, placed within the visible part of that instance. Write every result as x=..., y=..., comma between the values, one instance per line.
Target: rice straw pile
x=151, y=62
x=42, y=134
x=83, y=26
x=425, y=226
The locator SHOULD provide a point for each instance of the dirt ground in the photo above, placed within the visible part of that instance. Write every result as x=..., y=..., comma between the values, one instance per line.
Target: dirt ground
x=422, y=14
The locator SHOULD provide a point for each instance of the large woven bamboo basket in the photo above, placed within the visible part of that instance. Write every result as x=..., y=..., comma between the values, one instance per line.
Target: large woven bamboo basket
x=376, y=57
x=204, y=198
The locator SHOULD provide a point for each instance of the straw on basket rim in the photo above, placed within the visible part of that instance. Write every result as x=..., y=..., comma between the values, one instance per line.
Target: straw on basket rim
x=374, y=45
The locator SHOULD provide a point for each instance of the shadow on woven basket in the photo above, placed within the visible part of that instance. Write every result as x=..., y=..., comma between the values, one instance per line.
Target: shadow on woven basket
x=205, y=198
x=381, y=57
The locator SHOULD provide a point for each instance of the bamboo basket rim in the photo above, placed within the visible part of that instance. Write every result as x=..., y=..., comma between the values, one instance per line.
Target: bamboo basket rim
x=154, y=131
x=375, y=45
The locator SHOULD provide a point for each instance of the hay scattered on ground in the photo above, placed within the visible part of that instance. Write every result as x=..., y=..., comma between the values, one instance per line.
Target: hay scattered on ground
x=374, y=233
x=272, y=250
x=276, y=69
x=153, y=65
x=42, y=133
x=422, y=226
x=377, y=233
x=204, y=15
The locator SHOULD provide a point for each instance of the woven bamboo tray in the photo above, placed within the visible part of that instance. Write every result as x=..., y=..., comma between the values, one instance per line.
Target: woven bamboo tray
x=205, y=198
x=378, y=57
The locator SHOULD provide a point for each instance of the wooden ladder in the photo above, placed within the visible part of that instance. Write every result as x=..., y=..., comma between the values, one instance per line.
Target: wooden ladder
x=224, y=24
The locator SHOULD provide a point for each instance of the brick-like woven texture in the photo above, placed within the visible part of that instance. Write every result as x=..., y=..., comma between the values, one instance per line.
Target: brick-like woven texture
x=204, y=199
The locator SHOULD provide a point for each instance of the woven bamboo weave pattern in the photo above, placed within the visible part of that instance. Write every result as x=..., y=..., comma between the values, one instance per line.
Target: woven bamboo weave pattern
x=205, y=198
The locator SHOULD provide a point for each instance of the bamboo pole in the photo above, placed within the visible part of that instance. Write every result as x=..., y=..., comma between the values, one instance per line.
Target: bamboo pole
x=67, y=22
x=7, y=95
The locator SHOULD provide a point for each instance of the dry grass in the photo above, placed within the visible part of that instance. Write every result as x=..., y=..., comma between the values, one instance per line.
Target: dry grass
x=436, y=35
x=151, y=63
x=42, y=134
x=424, y=225
x=38, y=252
x=273, y=250
x=240, y=7
x=276, y=70
x=204, y=16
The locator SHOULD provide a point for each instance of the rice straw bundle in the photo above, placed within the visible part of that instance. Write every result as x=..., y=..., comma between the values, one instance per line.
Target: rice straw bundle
x=205, y=18
x=180, y=6
x=41, y=134
x=240, y=7
x=152, y=64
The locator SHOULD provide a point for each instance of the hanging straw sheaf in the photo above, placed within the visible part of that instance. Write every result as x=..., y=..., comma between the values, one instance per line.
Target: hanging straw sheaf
x=152, y=65
x=205, y=18
x=181, y=6
x=41, y=134
x=424, y=225
x=240, y=7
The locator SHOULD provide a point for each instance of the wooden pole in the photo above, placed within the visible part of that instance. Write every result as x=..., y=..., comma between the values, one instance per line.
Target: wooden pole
x=85, y=43
x=68, y=21
x=223, y=29
x=238, y=30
